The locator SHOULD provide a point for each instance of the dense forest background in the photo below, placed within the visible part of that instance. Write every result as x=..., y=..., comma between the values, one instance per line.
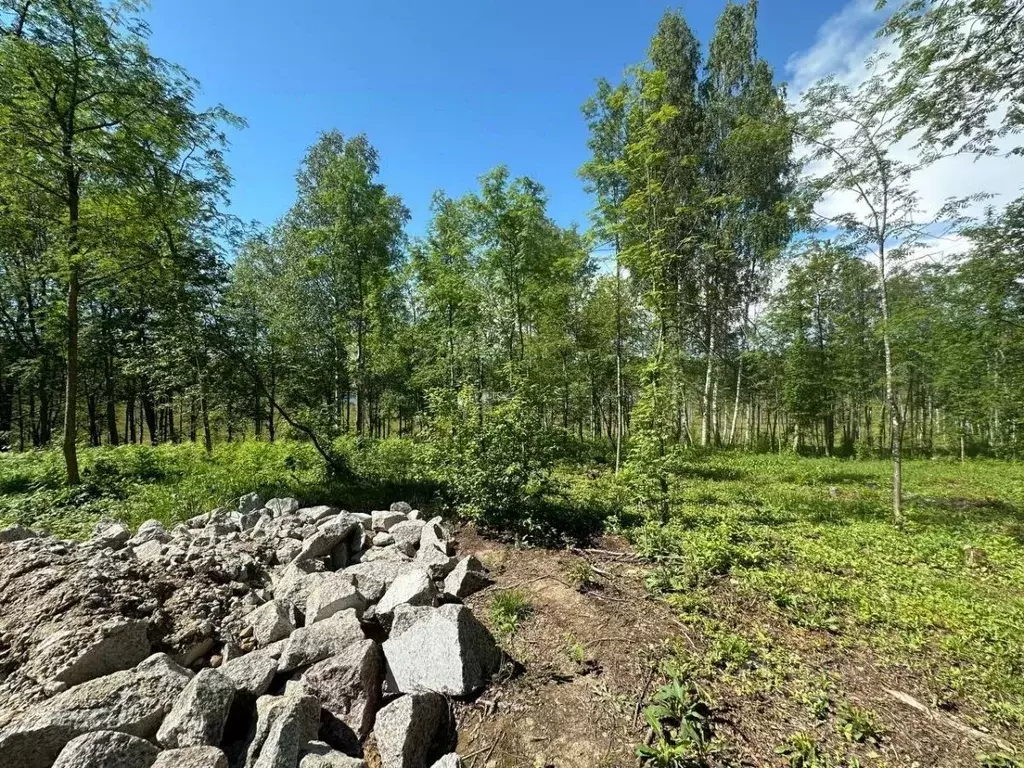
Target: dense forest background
x=711, y=302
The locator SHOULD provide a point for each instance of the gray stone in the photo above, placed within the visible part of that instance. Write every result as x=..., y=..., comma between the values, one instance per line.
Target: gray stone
x=107, y=749
x=282, y=507
x=401, y=506
x=372, y=579
x=271, y=622
x=365, y=519
x=110, y=534
x=348, y=686
x=406, y=615
x=149, y=550
x=77, y=654
x=297, y=580
x=253, y=673
x=408, y=728
x=319, y=641
x=134, y=701
x=434, y=535
x=284, y=726
x=333, y=595
x=289, y=550
x=385, y=520
x=383, y=539
x=250, y=502
x=436, y=562
x=191, y=757
x=200, y=713
x=328, y=536
x=151, y=530
x=448, y=651
x=320, y=755
x=315, y=514
x=13, y=533
x=451, y=760
x=411, y=588
x=468, y=577
x=392, y=553
x=407, y=536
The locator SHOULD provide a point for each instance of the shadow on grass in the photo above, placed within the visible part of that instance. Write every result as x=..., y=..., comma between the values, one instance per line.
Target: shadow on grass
x=954, y=512
x=847, y=478
x=703, y=472
x=362, y=495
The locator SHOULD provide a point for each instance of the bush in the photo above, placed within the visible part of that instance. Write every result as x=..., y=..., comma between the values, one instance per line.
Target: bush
x=494, y=472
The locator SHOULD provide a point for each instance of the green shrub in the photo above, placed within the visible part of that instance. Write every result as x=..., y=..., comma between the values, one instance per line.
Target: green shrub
x=495, y=472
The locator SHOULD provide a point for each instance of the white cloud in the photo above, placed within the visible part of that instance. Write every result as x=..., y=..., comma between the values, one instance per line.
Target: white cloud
x=841, y=49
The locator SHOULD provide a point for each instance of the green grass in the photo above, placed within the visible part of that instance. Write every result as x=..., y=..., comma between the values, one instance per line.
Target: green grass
x=171, y=483
x=813, y=540
x=508, y=608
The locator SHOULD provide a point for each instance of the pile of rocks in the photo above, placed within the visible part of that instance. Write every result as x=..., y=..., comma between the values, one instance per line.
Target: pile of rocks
x=273, y=636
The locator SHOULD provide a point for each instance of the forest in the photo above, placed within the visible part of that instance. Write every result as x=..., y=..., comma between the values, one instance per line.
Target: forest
x=761, y=329
x=707, y=302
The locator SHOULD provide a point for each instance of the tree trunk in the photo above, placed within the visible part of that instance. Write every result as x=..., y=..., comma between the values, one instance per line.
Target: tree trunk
x=71, y=389
x=896, y=436
x=707, y=415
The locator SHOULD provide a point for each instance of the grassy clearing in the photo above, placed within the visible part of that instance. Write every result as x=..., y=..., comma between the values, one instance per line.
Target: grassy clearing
x=171, y=483
x=808, y=544
x=766, y=559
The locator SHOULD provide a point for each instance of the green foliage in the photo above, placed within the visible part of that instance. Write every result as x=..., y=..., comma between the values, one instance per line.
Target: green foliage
x=171, y=483
x=679, y=719
x=857, y=724
x=801, y=751
x=494, y=471
x=773, y=529
x=508, y=608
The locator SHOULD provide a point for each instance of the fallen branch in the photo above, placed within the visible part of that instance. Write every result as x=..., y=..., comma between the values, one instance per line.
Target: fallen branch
x=910, y=701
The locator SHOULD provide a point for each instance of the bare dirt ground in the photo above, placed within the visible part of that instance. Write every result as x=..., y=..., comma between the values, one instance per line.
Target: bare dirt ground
x=588, y=660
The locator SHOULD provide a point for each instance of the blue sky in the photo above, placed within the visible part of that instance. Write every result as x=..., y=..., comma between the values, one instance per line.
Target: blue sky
x=445, y=90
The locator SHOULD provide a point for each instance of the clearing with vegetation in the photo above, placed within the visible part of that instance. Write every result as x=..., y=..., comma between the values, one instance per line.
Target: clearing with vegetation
x=730, y=477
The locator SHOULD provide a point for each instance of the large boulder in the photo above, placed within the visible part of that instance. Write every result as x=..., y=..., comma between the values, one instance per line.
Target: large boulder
x=79, y=653
x=411, y=588
x=191, y=757
x=435, y=562
x=250, y=502
x=253, y=673
x=468, y=577
x=407, y=615
x=331, y=596
x=282, y=507
x=107, y=749
x=319, y=641
x=349, y=689
x=284, y=726
x=410, y=728
x=134, y=701
x=448, y=651
x=110, y=534
x=200, y=713
x=329, y=536
x=406, y=536
x=434, y=535
x=271, y=622
x=385, y=520
x=297, y=580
